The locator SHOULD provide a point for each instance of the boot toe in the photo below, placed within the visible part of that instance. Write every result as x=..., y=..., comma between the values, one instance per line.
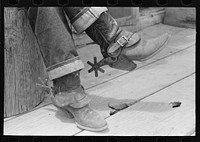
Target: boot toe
x=154, y=46
x=91, y=121
x=162, y=39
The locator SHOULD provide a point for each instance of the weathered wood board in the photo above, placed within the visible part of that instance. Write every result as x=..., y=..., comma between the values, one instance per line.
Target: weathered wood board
x=149, y=10
x=165, y=72
x=143, y=82
x=181, y=38
x=44, y=121
x=180, y=16
x=23, y=64
x=154, y=116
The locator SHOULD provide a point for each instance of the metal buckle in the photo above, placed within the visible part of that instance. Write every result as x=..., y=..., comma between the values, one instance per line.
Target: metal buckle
x=122, y=41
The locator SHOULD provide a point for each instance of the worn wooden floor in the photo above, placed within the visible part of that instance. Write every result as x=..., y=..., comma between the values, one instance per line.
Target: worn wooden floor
x=167, y=77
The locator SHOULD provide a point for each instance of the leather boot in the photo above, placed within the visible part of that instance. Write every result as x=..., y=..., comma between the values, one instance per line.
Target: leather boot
x=121, y=46
x=106, y=32
x=70, y=97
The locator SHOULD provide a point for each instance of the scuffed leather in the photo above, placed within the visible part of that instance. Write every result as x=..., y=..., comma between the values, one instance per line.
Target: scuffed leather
x=69, y=92
x=103, y=31
x=147, y=48
x=76, y=98
x=72, y=11
x=123, y=63
x=67, y=82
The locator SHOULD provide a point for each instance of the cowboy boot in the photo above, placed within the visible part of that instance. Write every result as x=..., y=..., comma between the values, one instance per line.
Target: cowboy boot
x=102, y=28
x=63, y=65
x=70, y=97
x=106, y=32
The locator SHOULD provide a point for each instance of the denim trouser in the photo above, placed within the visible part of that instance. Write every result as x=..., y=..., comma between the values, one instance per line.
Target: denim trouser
x=54, y=35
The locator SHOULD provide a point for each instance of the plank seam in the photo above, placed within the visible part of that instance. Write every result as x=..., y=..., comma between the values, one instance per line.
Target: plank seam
x=174, y=53
x=163, y=88
x=189, y=133
x=142, y=66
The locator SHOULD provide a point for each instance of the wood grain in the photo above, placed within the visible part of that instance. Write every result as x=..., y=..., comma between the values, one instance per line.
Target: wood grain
x=180, y=17
x=154, y=116
x=142, y=83
x=180, y=39
x=23, y=64
x=170, y=66
x=44, y=121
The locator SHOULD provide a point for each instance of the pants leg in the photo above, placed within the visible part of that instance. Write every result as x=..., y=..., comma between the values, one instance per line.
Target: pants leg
x=61, y=59
x=55, y=41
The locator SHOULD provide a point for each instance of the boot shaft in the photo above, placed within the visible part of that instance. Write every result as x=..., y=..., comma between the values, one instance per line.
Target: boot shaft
x=104, y=31
x=68, y=82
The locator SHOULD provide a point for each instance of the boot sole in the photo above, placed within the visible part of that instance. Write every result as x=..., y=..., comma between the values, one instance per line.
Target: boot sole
x=70, y=116
x=152, y=55
x=91, y=129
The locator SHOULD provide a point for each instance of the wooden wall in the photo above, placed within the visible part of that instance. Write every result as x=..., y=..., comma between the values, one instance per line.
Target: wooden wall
x=22, y=64
x=118, y=12
x=180, y=17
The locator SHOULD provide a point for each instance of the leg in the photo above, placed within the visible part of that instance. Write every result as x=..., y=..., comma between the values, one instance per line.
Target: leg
x=63, y=64
x=113, y=40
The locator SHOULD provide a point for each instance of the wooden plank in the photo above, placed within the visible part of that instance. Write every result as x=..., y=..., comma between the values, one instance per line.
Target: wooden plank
x=118, y=12
x=131, y=19
x=44, y=103
x=148, y=10
x=46, y=100
x=135, y=12
x=159, y=29
x=181, y=39
x=88, y=80
x=178, y=41
x=154, y=116
x=142, y=82
x=46, y=120
x=180, y=16
x=23, y=64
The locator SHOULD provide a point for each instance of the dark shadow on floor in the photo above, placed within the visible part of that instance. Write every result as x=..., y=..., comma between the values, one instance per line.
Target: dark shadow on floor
x=100, y=103
x=61, y=115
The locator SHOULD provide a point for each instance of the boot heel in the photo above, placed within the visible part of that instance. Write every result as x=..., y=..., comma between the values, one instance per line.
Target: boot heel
x=69, y=114
x=124, y=63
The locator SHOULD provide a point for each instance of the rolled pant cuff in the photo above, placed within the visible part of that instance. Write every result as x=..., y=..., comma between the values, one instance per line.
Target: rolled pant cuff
x=64, y=68
x=83, y=20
